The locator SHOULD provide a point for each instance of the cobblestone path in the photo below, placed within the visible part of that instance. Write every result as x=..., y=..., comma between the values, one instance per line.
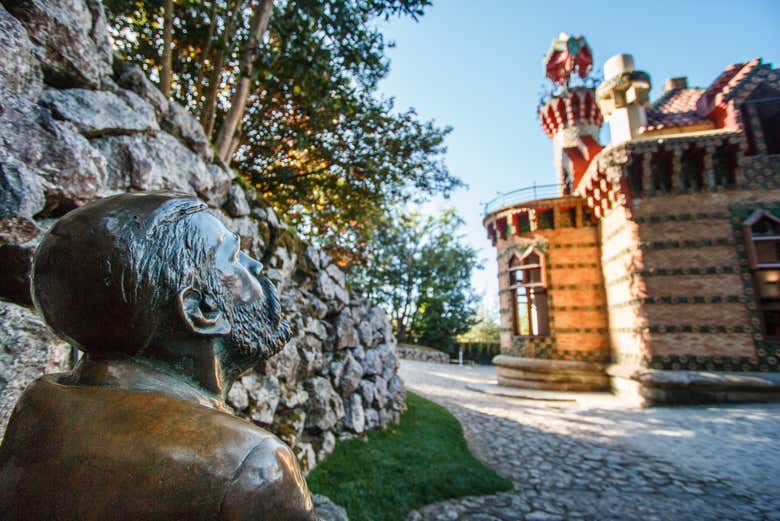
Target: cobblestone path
x=601, y=460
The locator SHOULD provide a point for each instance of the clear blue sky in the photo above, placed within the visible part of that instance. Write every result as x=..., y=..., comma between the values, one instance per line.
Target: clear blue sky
x=476, y=65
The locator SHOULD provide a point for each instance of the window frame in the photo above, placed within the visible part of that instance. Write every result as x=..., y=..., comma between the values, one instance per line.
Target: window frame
x=756, y=267
x=533, y=292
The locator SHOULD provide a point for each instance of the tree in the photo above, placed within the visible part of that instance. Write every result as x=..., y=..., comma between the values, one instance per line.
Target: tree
x=486, y=329
x=420, y=271
x=297, y=111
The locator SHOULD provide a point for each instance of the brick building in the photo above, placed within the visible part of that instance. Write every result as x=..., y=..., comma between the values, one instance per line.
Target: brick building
x=652, y=265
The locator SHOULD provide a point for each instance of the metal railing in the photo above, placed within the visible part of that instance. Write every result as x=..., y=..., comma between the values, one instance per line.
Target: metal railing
x=529, y=193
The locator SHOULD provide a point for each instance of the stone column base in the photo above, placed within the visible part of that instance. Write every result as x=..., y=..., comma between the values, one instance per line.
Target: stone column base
x=550, y=375
x=663, y=387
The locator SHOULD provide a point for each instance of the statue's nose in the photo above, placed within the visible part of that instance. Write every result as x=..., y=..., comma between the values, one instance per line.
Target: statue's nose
x=254, y=267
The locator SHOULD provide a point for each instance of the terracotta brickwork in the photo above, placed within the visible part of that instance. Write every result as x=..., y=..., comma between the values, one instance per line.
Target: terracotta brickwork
x=675, y=284
x=654, y=275
x=574, y=283
x=662, y=284
x=620, y=255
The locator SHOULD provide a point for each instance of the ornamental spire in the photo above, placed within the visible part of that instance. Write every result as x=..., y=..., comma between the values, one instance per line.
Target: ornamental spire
x=567, y=55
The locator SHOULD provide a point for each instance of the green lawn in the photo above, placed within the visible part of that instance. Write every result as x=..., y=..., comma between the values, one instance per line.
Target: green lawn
x=422, y=460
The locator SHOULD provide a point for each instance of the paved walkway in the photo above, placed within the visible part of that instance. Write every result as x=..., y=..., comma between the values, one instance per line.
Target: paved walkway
x=602, y=460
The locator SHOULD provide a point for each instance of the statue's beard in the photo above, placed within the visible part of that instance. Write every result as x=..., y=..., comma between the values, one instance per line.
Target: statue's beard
x=257, y=329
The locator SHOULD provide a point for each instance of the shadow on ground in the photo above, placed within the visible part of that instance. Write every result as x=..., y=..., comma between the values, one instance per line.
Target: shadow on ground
x=610, y=461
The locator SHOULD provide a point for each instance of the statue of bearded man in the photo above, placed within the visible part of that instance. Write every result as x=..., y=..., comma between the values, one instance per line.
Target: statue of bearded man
x=169, y=312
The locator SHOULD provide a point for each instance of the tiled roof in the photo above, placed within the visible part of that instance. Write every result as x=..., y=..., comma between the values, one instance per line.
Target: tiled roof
x=676, y=108
x=731, y=77
x=721, y=90
x=686, y=107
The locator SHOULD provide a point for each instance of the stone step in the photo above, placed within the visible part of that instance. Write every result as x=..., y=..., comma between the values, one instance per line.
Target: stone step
x=539, y=395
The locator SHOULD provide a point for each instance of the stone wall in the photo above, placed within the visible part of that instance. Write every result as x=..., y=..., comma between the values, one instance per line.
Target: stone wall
x=408, y=352
x=76, y=125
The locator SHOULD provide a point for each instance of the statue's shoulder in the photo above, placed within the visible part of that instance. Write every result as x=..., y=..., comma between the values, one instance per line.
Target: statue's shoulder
x=225, y=467
x=268, y=485
x=149, y=418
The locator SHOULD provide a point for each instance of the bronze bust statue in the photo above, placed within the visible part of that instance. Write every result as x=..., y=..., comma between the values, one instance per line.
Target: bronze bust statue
x=168, y=312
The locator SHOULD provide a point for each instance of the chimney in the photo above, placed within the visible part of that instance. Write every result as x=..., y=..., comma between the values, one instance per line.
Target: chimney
x=617, y=65
x=622, y=97
x=675, y=83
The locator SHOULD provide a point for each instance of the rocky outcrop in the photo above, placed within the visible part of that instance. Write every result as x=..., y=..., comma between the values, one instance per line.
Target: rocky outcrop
x=75, y=125
x=21, y=72
x=27, y=350
x=99, y=113
x=70, y=39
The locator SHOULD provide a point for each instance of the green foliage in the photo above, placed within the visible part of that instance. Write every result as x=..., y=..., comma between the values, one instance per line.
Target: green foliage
x=420, y=271
x=316, y=140
x=422, y=460
x=479, y=352
x=486, y=329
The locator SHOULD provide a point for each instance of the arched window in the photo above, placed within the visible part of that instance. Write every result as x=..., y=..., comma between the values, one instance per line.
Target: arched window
x=588, y=106
x=529, y=295
x=762, y=234
x=562, y=112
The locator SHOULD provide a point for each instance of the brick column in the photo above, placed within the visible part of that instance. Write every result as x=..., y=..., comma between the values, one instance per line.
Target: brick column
x=647, y=188
x=676, y=170
x=578, y=219
x=755, y=127
x=709, y=170
x=738, y=155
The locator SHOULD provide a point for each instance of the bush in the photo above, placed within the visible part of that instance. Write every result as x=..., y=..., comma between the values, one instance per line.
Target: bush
x=479, y=352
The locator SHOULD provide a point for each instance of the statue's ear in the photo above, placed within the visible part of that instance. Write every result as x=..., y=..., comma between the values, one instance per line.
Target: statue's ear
x=201, y=314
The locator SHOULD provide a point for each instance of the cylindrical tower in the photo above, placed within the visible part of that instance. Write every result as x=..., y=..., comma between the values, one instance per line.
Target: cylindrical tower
x=554, y=331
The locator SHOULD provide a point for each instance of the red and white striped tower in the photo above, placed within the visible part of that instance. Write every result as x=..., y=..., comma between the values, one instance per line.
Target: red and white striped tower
x=571, y=117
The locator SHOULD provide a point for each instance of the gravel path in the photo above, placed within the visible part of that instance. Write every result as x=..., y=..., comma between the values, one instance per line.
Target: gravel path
x=600, y=459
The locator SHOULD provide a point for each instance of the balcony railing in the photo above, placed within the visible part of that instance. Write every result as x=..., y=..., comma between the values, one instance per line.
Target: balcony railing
x=529, y=193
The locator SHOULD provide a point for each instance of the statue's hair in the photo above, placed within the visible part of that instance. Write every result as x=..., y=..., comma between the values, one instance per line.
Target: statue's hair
x=171, y=255
x=105, y=276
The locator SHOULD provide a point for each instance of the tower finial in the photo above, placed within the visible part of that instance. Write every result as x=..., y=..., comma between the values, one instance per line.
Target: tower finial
x=567, y=55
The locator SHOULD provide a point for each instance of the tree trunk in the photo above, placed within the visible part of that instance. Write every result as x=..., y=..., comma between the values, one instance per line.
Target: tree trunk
x=236, y=141
x=401, y=332
x=240, y=96
x=206, y=51
x=209, y=110
x=210, y=106
x=167, y=54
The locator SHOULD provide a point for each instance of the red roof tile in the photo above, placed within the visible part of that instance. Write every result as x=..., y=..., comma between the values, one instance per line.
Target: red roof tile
x=721, y=89
x=676, y=108
x=684, y=107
